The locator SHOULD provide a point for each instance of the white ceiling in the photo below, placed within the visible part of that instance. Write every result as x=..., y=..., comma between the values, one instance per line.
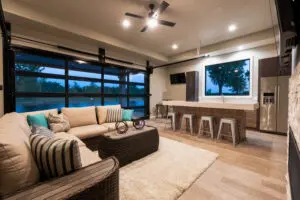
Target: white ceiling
x=205, y=20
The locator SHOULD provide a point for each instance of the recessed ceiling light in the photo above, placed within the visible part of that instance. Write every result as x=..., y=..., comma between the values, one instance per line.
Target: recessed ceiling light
x=126, y=23
x=241, y=48
x=174, y=46
x=232, y=27
x=152, y=22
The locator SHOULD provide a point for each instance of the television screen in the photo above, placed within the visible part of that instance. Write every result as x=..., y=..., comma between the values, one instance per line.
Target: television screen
x=177, y=78
x=228, y=79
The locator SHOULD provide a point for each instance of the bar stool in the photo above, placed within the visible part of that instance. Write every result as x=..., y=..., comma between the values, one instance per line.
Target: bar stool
x=189, y=117
x=172, y=116
x=232, y=123
x=202, y=130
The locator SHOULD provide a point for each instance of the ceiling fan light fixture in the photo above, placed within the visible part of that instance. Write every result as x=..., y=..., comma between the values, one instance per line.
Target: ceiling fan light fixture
x=152, y=22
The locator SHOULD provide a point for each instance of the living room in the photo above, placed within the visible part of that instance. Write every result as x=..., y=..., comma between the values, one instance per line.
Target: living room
x=149, y=99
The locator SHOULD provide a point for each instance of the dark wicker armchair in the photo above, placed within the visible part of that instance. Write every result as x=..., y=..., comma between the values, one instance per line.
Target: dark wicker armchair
x=97, y=181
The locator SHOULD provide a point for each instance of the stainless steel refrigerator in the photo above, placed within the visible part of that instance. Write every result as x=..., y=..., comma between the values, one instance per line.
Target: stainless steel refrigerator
x=274, y=104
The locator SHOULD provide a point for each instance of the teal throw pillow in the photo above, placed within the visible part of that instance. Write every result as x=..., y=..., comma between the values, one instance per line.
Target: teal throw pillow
x=37, y=120
x=127, y=115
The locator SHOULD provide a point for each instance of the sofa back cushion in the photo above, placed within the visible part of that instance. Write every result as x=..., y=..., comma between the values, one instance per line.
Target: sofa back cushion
x=80, y=116
x=45, y=112
x=17, y=165
x=102, y=112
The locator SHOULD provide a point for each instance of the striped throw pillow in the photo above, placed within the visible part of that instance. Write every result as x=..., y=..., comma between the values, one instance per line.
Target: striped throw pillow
x=114, y=115
x=54, y=156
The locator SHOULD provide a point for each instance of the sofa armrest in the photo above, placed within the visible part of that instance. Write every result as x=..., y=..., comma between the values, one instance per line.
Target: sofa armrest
x=96, y=181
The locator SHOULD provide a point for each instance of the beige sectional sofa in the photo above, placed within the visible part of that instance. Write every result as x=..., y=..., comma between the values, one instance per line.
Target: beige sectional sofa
x=17, y=166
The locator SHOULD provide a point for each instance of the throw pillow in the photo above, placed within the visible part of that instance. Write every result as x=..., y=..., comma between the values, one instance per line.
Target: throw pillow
x=41, y=131
x=58, y=123
x=114, y=115
x=54, y=156
x=38, y=120
x=127, y=115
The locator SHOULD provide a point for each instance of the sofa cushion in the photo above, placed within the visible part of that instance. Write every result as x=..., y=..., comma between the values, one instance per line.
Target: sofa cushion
x=102, y=112
x=46, y=112
x=17, y=166
x=88, y=157
x=80, y=116
x=88, y=131
x=37, y=120
x=64, y=135
x=112, y=126
x=55, y=157
x=17, y=119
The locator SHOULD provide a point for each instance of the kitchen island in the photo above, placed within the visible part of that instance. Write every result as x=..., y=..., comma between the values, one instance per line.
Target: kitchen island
x=216, y=109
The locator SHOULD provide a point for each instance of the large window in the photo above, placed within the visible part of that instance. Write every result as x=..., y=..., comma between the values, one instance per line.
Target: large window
x=45, y=80
x=228, y=79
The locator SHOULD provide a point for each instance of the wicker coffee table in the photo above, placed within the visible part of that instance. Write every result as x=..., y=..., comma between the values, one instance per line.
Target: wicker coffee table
x=130, y=146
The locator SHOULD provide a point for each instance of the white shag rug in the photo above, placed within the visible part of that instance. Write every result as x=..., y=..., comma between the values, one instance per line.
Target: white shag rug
x=165, y=174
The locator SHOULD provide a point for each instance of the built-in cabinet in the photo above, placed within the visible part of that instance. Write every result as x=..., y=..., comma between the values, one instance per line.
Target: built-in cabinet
x=192, y=86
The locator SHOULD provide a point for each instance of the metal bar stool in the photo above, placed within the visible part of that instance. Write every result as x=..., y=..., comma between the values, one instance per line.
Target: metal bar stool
x=210, y=131
x=190, y=118
x=172, y=116
x=232, y=123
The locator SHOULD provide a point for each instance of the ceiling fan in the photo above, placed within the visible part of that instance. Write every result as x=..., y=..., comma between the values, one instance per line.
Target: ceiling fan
x=153, y=15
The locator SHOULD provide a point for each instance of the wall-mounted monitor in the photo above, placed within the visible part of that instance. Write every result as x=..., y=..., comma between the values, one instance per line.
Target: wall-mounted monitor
x=177, y=78
x=228, y=79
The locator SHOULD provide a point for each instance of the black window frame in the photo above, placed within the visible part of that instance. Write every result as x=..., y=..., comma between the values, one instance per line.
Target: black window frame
x=125, y=71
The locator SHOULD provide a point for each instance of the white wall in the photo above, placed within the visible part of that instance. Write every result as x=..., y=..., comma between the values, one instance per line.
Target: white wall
x=177, y=92
x=157, y=86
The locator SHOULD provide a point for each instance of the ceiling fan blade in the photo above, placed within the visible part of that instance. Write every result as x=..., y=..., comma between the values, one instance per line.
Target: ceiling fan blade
x=166, y=23
x=144, y=28
x=162, y=7
x=134, y=15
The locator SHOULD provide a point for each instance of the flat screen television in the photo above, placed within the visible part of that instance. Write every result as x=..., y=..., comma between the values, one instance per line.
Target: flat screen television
x=177, y=78
x=228, y=79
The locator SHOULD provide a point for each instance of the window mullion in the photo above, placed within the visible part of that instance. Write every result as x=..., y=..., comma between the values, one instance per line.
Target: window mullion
x=67, y=82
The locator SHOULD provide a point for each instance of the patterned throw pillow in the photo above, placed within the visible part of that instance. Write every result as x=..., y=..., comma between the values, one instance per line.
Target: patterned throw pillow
x=114, y=115
x=55, y=157
x=58, y=123
x=41, y=131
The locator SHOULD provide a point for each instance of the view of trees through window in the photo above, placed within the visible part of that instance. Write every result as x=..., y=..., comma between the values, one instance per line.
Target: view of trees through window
x=228, y=79
x=41, y=83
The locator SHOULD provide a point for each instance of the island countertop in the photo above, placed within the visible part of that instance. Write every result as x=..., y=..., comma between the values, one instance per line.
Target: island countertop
x=219, y=105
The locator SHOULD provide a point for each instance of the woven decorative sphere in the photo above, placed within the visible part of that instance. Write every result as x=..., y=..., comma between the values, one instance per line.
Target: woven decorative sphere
x=121, y=127
x=139, y=124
